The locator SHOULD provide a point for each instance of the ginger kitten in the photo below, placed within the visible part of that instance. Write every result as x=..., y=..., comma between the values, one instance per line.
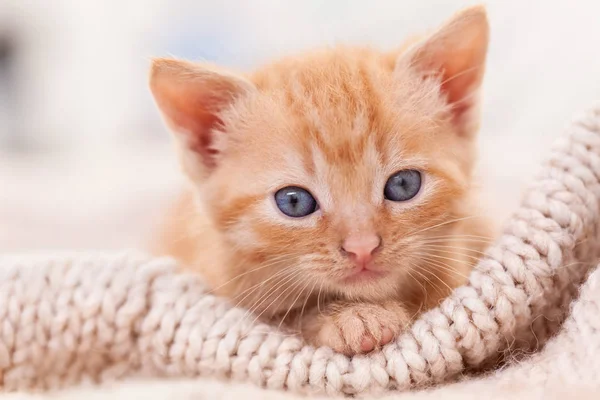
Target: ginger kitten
x=333, y=190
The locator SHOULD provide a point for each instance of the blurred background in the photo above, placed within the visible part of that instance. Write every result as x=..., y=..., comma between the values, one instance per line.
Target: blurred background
x=85, y=161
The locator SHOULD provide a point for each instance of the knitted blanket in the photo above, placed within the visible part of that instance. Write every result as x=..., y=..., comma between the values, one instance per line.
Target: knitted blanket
x=568, y=367
x=68, y=319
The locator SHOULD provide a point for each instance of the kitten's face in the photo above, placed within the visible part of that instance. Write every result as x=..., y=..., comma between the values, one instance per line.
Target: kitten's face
x=334, y=172
x=338, y=126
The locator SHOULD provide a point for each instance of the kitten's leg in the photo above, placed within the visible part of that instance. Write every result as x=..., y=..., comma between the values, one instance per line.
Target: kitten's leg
x=352, y=328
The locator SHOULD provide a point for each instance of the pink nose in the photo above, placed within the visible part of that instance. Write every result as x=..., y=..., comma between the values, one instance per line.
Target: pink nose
x=360, y=248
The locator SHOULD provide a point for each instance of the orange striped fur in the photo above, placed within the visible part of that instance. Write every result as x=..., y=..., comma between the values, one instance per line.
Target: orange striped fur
x=338, y=122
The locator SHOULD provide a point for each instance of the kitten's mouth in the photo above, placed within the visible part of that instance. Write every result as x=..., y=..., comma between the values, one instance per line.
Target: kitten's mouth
x=361, y=275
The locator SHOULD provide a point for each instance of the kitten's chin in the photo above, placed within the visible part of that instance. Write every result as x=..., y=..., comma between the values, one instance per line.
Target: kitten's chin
x=368, y=285
x=363, y=276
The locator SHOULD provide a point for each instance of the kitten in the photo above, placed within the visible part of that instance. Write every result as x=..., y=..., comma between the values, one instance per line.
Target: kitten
x=333, y=190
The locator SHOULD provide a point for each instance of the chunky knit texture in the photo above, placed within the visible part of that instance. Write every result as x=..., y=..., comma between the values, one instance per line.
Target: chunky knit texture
x=69, y=318
x=568, y=367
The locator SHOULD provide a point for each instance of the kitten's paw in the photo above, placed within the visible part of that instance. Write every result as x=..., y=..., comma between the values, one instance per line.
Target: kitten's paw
x=356, y=328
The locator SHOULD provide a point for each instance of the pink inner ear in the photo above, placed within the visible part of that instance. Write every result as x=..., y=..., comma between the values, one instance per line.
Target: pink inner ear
x=191, y=98
x=194, y=125
x=457, y=52
x=202, y=140
x=459, y=82
x=192, y=112
x=461, y=65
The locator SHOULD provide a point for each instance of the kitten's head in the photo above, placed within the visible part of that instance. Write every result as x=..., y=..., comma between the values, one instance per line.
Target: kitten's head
x=331, y=171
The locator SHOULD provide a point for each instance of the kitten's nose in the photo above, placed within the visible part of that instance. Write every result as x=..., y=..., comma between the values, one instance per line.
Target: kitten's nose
x=360, y=248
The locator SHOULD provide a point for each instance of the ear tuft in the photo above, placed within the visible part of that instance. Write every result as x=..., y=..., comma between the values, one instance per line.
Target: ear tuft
x=192, y=98
x=456, y=53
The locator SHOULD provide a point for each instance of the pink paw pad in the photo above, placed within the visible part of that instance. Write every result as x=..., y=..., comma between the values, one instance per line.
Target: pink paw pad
x=369, y=344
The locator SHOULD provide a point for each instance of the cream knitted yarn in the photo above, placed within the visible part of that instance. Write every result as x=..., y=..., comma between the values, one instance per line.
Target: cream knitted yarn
x=68, y=318
x=567, y=367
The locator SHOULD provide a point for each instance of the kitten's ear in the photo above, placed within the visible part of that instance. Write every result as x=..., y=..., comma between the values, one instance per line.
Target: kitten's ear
x=192, y=98
x=456, y=54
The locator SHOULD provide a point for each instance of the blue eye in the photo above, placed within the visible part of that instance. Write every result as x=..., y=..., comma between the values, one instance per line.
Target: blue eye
x=403, y=185
x=295, y=202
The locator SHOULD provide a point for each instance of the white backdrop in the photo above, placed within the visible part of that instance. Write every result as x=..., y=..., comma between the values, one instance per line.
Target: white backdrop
x=103, y=170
